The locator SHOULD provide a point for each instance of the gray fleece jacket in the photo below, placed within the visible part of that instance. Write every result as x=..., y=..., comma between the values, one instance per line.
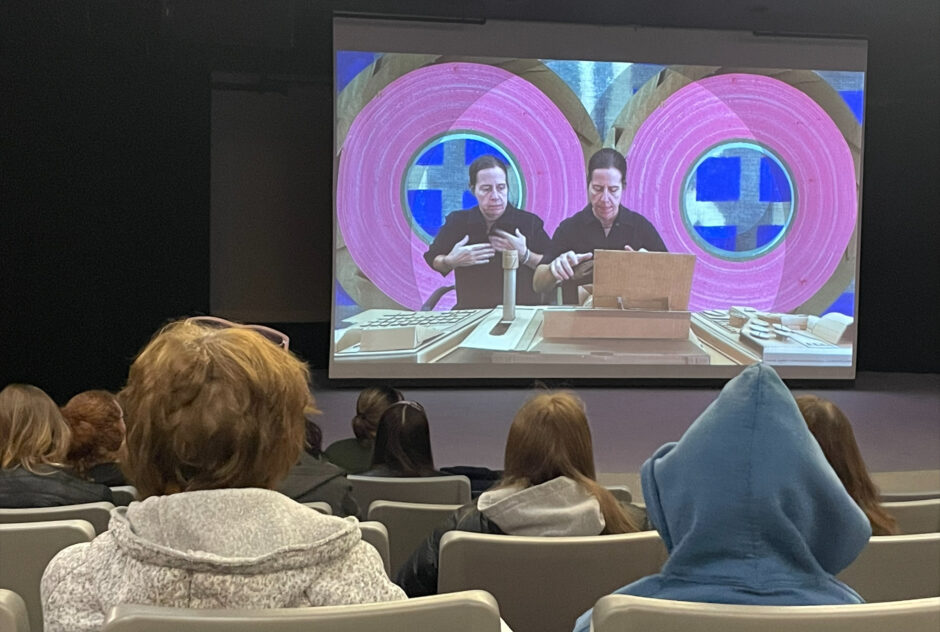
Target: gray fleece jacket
x=229, y=548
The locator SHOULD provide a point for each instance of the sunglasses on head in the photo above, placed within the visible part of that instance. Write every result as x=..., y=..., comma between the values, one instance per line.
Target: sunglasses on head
x=273, y=335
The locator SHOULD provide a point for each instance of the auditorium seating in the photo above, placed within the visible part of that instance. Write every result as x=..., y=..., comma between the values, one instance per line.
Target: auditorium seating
x=98, y=514
x=621, y=493
x=25, y=551
x=897, y=497
x=13, y=615
x=319, y=505
x=468, y=611
x=430, y=489
x=376, y=534
x=408, y=525
x=916, y=516
x=124, y=495
x=626, y=613
x=541, y=583
x=896, y=567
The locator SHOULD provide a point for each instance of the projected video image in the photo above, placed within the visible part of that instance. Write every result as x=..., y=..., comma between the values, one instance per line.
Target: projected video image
x=540, y=213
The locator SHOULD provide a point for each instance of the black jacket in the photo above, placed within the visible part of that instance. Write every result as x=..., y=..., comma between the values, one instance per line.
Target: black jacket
x=316, y=479
x=21, y=489
x=418, y=576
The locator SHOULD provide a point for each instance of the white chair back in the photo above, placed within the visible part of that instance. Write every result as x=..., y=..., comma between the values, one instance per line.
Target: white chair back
x=98, y=514
x=916, y=516
x=319, y=505
x=469, y=611
x=896, y=567
x=13, y=615
x=124, y=495
x=25, y=551
x=453, y=490
x=625, y=613
x=544, y=584
x=408, y=525
x=376, y=534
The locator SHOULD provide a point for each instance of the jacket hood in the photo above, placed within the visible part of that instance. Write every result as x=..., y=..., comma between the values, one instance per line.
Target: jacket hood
x=746, y=496
x=212, y=531
x=559, y=507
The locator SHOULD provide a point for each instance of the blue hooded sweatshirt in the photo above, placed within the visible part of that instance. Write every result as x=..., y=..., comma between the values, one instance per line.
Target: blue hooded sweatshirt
x=748, y=507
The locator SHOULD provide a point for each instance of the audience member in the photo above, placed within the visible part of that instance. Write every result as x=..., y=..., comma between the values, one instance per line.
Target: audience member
x=355, y=454
x=834, y=434
x=748, y=508
x=34, y=439
x=548, y=489
x=97, y=424
x=214, y=422
x=313, y=478
x=403, y=443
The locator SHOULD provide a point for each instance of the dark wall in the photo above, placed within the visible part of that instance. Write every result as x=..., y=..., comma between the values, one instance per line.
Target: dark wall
x=106, y=156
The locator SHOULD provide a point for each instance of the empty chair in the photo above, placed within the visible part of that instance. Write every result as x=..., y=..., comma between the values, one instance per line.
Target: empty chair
x=124, y=495
x=98, y=514
x=468, y=611
x=896, y=567
x=626, y=613
x=13, y=615
x=408, y=525
x=376, y=534
x=319, y=505
x=25, y=550
x=544, y=583
x=453, y=490
x=621, y=493
x=916, y=516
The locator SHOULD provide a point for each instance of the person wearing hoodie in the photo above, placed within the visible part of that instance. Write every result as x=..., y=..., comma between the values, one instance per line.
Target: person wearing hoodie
x=748, y=507
x=548, y=489
x=215, y=418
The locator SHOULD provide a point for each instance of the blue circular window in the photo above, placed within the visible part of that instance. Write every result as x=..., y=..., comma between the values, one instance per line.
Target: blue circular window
x=436, y=181
x=738, y=200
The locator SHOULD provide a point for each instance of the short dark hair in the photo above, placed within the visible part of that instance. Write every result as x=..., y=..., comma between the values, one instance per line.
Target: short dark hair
x=608, y=158
x=403, y=440
x=486, y=161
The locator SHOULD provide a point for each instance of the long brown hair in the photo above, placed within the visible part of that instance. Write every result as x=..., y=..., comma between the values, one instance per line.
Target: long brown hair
x=550, y=437
x=403, y=440
x=33, y=433
x=834, y=434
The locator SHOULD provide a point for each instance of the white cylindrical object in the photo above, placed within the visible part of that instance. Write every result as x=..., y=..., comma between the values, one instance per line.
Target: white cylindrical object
x=510, y=263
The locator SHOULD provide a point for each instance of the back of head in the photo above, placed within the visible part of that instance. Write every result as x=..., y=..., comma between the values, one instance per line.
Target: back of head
x=550, y=437
x=833, y=432
x=403, y=440
x=32, y=430
x=745, y=501
x=97, y=424
x=210, y=408
x=370, y=405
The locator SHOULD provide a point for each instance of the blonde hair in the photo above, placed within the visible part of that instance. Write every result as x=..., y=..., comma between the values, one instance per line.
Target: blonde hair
x=32, y=430
x=210, y=408
x=550, y=437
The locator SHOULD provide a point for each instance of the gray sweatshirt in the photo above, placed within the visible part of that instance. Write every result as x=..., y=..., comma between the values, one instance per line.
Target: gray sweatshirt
x=230, y=548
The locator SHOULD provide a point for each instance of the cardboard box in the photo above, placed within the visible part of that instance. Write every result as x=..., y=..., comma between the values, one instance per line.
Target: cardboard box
x=581, y=322
x=635, y=295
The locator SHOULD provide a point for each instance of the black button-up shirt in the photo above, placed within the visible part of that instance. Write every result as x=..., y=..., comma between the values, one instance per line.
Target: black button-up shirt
x=481, y=286
x=582, y=232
